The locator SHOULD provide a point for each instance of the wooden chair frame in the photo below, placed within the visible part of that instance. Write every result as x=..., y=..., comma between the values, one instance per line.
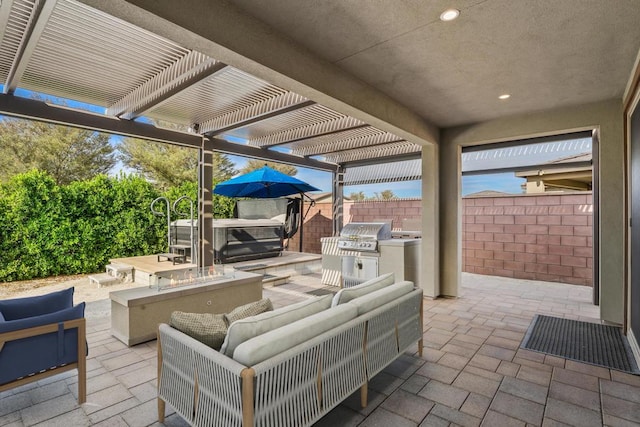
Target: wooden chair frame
x=80, y=365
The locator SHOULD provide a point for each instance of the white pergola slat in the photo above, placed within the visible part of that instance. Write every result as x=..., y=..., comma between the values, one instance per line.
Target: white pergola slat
x=189, y=69
x=300, y=133
x=385, y=151
x=69, y=50
x=404, y=170
x=346, y=140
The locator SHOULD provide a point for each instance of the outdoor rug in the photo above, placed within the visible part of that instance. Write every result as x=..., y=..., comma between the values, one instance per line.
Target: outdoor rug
x=586, y=342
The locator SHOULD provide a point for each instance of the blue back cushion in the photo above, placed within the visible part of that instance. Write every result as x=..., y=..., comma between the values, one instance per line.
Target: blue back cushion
x=30, y=355
x=20, y=308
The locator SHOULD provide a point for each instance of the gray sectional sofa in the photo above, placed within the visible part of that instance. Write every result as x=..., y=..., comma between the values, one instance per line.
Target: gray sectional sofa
x=290, y=366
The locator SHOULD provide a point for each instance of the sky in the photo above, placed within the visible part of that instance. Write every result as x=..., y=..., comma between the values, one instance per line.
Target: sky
x=504, y=182
x=519, y=156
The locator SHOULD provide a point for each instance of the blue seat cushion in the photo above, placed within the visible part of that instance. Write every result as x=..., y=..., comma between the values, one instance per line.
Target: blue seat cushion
x=26, y=356
x=20, y=308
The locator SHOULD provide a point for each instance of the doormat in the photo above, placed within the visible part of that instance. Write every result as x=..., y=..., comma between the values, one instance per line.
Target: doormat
x=586, y=342
x=321, y=292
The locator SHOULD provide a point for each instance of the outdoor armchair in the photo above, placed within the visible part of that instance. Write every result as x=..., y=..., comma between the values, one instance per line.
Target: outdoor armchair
x=42, y=336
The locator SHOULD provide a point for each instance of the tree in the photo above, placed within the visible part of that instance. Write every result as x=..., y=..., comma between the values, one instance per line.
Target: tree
x=170, y=165
x=254, y=164
x=357, y=197
x=384, y=195
x=67, y=154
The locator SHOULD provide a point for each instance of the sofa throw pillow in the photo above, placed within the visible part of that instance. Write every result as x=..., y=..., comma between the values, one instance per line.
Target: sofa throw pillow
x=245, y=329
x=247, y=310
x=347, y=294
x=1, y=317
x=19, y=308
x=209, y=329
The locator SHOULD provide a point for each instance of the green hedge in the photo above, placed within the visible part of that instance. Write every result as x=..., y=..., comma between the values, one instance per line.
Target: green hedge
x=48, y=230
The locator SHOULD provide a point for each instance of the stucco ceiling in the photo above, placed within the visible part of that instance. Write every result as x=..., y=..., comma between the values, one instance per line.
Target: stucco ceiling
x=545, y=53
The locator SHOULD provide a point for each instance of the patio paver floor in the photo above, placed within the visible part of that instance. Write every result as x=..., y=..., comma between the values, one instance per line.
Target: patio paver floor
x=472, y=371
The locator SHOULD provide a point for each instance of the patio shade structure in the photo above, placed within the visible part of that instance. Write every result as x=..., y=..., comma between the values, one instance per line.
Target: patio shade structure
x=92, y=52
x=263, y=183
x=266, y=183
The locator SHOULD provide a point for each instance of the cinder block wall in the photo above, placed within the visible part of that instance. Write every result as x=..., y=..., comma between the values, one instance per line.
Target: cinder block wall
x=317, y=224
x=538, y=237
x=398, y=210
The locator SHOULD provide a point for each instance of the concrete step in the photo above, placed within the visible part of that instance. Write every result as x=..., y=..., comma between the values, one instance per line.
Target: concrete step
x=273, y=280
x=103, y=279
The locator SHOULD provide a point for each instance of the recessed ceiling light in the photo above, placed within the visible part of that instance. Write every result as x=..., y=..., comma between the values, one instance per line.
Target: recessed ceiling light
x=504, y=96
x=449, y=15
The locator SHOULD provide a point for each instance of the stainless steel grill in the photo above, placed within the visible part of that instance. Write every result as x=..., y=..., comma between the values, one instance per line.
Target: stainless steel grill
x=360, y=250
x=363, y=236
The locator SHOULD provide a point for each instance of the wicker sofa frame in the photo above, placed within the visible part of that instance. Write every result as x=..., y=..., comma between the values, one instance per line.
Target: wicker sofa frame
x=296, y=387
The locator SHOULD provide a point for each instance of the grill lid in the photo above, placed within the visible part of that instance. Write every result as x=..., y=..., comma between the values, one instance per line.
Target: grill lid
x=370, y=230
x=363, y=236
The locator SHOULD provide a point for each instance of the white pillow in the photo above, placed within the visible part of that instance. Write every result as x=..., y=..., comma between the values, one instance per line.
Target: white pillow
x=380, y=297
x=274, y=342
x=249, y=327
x=347, y=294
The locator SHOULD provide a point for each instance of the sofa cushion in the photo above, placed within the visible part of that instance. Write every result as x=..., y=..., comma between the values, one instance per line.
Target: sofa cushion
x=209, y=329
x=1, y=317
x=245, y=329
x=380, y=297
x=71, y=313
x=247, y=310
x=347, y=294
x=274, y=342
x=19, y=308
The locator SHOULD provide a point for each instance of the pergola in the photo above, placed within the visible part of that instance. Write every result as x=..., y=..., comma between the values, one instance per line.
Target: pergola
x=70, y=50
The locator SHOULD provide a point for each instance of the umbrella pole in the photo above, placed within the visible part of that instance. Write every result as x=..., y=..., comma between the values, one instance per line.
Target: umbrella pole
x=301, y=218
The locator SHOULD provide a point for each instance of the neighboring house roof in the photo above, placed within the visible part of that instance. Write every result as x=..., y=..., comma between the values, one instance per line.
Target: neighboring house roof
x=321, y=197
x=582, y=157
x=573, y=172
x=318, y=197
x=575, y=164
x=488, y=193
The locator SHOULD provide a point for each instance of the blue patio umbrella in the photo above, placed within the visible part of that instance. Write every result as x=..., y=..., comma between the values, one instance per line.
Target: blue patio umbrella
x=263, y=183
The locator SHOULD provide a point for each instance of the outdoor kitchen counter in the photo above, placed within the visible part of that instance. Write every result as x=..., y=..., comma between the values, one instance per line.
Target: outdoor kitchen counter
x=400, y=256
x=136, y=313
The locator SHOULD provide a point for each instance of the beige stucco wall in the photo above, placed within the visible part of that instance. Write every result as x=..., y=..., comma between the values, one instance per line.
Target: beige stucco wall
x=605, y=116
x=430, y=274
